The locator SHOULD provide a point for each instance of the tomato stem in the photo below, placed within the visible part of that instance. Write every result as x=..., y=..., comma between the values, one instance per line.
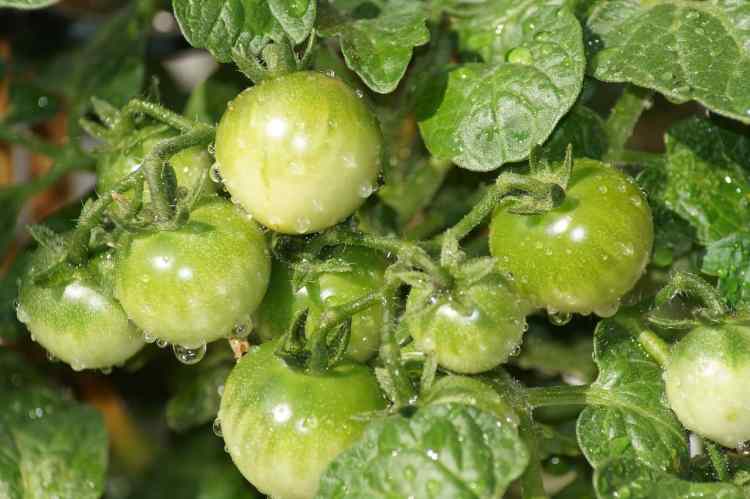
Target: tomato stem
x=687, y=284
x=390, y=352
x=153, y=165
x=718, y=461
x=532, y=485
x=157, y=112
x=546, y=396
x=623, y=118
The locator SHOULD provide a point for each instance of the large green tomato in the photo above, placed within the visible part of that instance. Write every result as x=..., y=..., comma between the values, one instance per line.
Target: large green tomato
x=282, y=303
x=584, y=255
x=188, y=164
x=471, y=328
x=282, y=427
x=300, y=152
x=193, y=285
x=75, y=317
x=707, y=381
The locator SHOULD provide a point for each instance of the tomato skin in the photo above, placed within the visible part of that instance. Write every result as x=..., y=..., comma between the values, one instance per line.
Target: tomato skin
x=583, y=256
x=76, y=318
x=706, y=381
x=367, y=275
x=282, y=427
x=193, y=285
x=188, y=164
x=472, y=328
x=300, y=152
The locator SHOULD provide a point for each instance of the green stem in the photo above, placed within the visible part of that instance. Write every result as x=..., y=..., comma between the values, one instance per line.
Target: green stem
x=561, y=395
x=154, y=163
x=79, y=241
x=719, y=461
x=624, y=117
x=478, y=213
x=157, y=112
x=532, y=485
x=687, y=284
x=335, y=316
x=408, y=251
x=390, y=352
x=654, y=345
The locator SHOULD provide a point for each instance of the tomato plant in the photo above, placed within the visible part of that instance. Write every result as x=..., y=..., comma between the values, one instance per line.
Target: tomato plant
x=584, y=255
x=305, y=138
x=282, y=427
x=447, y=249
x=194, y=285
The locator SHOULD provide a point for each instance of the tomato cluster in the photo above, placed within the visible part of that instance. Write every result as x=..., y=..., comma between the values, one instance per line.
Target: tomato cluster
x=298, y=154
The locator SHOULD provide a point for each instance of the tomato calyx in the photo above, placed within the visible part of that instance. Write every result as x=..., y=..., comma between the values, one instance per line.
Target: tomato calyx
x=275, y=59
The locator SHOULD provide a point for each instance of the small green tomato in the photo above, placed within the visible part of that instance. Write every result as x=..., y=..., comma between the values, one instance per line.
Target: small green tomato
x=283, y=427
x=300, y=152
x=707, y=381
x=193, y=285
x=75, y=317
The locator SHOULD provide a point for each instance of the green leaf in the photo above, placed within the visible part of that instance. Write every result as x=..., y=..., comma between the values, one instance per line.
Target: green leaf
x=445, y=450
x=705, y=178
x=729, y=260
x=111, y=66
x=295, y=16
x=484, y=115
x=378, y=49
x=197, y=468
x=27, y=4
x=10, y=327
x=196, y=401
x=687, y=50
x=51, y=446
x=628, y=478
x=225, y=26
x=581, y=128
x=629, y=417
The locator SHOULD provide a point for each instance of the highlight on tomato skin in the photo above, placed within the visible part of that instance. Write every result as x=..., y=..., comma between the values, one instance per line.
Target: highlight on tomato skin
x=300, y=152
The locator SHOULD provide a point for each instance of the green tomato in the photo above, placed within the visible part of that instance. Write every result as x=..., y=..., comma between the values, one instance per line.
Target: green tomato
x=75, y=316
x=300, y=152
x=707, y=381
x=282, y=302
x=584, y=255
x=193, y=285
x=283, y=427
x=471, y=328
x=188, y=164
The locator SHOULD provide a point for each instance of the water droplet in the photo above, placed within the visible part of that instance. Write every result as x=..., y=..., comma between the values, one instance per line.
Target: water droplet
x=161, y=343
x=559, y=318
x=215, y=174
x=220, y=390
x=607, y=310
x=359, y=93
x=77, y=365
x=51, y=357
x=602, y=189
x=520, y=55
x=365, y=190
x=189, y=356
x=106, y=371
x=330, y=73
x=148, y=337
x=212, y=149
x=216, y=427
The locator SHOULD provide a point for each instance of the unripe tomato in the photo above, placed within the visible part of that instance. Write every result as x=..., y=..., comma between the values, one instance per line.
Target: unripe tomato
x=283, y=427
x=75, y=317
x=471, y=328
x=188, y=164
x=300, y=152
x=707, y=381
x=193, y=285
x=281, y=303
x=584, y=255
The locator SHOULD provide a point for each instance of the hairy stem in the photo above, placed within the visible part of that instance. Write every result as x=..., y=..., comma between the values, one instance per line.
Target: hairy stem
x=687, y=284
x=624, y=117
x=719, y=461
x=157, y=112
